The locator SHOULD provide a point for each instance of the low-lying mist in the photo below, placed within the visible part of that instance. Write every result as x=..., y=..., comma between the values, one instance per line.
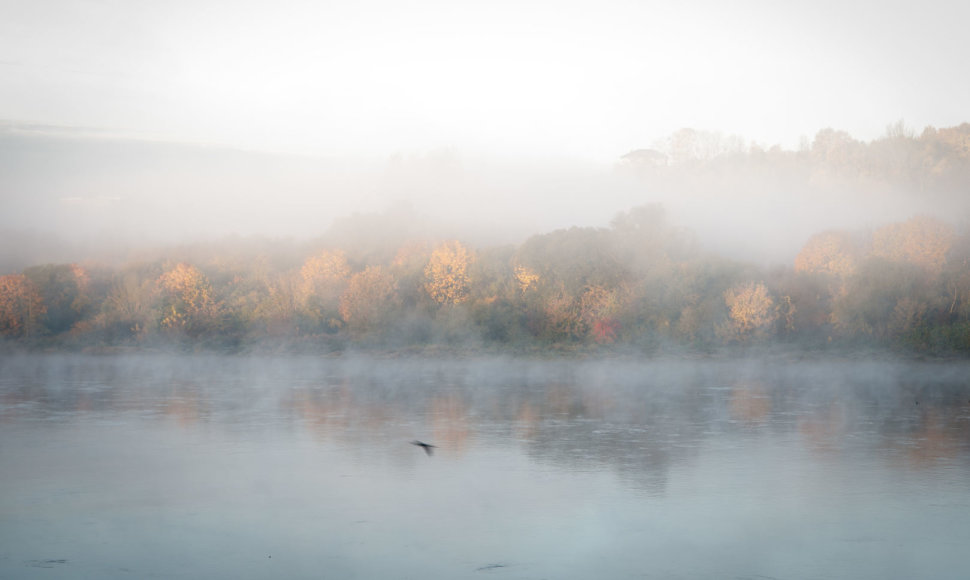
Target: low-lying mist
x=75, y=197
x=699, y=243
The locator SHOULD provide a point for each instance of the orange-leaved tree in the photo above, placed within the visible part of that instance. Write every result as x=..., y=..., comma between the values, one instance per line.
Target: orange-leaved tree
x=922, y=241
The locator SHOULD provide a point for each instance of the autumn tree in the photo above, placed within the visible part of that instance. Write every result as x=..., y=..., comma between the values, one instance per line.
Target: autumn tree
x=278, y=304
x=751, y=311
x=447, y=274
x=569, y=260
x=369, y=300
x=21, y=306
x=526, y=278
x=320, y=272
x=187, y=302
x=598, y=307
x=323, y=279
x=827, y=260
x=922, y=241
x=554, y=270
x=832, y=252
x=448, y=284
x=562, y=318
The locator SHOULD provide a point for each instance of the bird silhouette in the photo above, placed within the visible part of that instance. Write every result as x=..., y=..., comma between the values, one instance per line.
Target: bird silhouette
x=428, y=448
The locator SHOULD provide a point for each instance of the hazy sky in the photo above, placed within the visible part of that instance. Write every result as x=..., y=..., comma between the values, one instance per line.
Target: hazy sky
x=499, y=119
x=589, y=79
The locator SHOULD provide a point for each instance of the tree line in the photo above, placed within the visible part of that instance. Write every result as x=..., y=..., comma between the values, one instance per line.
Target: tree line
x=937, y=160
x=640, y=284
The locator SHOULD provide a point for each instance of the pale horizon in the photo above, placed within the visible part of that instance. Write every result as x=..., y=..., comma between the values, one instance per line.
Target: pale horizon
x=574, y=80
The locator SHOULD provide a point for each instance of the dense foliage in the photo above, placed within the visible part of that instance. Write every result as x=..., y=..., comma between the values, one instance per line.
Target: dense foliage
x=640, y=284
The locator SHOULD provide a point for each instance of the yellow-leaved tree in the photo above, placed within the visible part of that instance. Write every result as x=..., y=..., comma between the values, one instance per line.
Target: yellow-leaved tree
x=751, y=311
x=446, y=275
x=527, y=278
x=187, y=303
x=321, y=272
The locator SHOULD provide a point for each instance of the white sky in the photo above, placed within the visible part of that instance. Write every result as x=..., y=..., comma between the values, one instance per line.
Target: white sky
x=589, y=79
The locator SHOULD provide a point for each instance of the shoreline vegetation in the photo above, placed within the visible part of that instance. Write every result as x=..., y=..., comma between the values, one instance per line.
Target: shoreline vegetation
x=639, y=287
x=780, y=354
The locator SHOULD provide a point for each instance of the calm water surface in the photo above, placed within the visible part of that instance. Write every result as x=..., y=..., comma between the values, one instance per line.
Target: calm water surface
x=208, y=467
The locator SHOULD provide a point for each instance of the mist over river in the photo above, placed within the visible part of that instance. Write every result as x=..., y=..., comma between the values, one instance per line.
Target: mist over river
x=301, y=467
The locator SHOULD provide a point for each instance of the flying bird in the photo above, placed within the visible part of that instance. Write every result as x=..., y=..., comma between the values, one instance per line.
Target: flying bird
x=428, y=448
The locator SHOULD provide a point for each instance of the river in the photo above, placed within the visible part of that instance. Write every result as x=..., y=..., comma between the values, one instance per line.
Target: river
x=300, y=467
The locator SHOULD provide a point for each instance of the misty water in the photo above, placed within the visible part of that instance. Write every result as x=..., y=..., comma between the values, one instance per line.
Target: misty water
x=301, y=467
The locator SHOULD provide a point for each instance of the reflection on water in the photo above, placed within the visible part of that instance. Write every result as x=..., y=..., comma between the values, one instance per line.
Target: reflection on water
x=301, y=467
